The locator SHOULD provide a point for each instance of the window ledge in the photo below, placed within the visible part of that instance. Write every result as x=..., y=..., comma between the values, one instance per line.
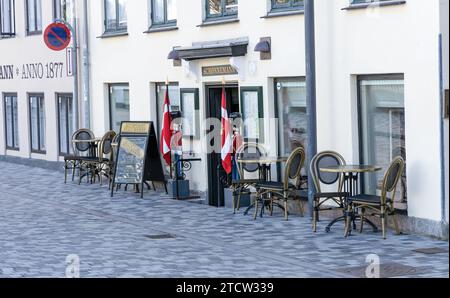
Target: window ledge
x=219, y=21
x=7, y=36
x=374, y=4
x=113, y=34
x=155, y=29
x=35, y=33
x=13, y=149
x=275, y=14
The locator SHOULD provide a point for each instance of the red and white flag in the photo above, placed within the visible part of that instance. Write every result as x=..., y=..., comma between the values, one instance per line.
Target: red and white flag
x=166, y=133
x=226, y=136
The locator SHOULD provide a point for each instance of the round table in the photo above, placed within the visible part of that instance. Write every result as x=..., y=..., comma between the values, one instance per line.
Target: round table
x=92, y=145
x=351, y=186
x=265, y=163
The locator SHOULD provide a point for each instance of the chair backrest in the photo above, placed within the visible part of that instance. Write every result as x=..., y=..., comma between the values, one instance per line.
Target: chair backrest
x=249, y=151
x=105, y=147
x=327, y=159
x=294, y=167
x=391, y=178
x=82, y=134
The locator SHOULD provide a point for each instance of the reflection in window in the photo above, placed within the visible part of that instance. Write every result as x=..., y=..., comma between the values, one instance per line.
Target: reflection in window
x=115, y=15
x=221, y=8
x=7, y=21
x=37, y=123
x=65, y=124
x=34, y=16
x=11, y=122
x=382, y=128
x=164, y=12
x=62, y=9
x=287, y=5
x=119, y=104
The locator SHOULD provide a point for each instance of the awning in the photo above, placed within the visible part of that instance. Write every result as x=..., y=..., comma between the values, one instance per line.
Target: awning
x=214, y=49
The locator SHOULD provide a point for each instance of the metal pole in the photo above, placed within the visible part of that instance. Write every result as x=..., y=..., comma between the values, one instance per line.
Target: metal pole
x=310, y=54
x=86, y=69
x=75, y=75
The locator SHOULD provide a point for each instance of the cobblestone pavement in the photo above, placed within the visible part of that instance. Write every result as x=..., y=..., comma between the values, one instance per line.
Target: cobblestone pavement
x=42, y=221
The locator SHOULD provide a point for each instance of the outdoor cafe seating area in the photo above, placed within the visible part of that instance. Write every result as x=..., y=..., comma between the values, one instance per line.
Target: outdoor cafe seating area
x=336, y=183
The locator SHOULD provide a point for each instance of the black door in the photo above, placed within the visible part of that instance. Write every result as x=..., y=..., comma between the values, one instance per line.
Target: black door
x=214, y=100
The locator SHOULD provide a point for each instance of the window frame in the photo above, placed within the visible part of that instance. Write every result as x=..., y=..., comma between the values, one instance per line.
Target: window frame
x=37, y=18
x=360, y=134
x=58, y=114
x=261, y=127
x=166, y=22
x=41, y=97
x=111, y=126
x=290, y=6
x=221, y=16
x=15, y=147
x=117, y=29
x=12, y=19
x=57, y=10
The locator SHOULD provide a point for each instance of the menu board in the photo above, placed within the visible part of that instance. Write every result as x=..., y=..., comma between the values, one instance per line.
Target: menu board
x=131, y=160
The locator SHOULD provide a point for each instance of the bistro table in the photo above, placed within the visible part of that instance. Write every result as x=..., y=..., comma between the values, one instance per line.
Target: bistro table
x=351, y=186
x=93, y=145
x=265, y=163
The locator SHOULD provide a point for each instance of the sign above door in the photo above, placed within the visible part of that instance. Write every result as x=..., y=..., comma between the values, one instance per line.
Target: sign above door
x=218, y=70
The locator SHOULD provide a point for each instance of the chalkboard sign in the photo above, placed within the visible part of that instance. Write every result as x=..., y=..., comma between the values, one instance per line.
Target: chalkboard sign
x=138, y=159
x=130, y=160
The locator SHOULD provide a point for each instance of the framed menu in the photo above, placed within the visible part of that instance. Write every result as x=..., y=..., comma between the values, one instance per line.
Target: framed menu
x=190, y=108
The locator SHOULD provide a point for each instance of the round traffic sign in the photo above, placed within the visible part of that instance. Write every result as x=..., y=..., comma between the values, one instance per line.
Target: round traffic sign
x=57, y=36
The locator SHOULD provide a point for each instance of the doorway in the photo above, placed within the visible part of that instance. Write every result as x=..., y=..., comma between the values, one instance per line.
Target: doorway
x=213, y=110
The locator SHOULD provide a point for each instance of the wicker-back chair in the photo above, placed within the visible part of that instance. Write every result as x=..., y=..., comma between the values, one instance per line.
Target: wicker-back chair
x=325, y=159
x=289, y=189
x=381, y=206
x=242, y=185
x=79, y=150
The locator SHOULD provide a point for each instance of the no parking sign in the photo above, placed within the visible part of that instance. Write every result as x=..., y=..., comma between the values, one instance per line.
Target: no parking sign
x=57, y=36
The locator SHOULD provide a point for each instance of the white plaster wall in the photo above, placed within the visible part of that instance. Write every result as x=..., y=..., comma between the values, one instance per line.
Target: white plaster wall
x=31, y=49
x=394, y=39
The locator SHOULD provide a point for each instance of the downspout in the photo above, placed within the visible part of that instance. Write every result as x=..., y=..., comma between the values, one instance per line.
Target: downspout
x=310, y=54
x=86, y=69
x=441, y=130
x=76, y=110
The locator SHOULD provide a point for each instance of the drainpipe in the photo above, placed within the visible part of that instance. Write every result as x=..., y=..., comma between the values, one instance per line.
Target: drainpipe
x=441, y=130
x=86, y=69
x=76, y=110
x=310, y=95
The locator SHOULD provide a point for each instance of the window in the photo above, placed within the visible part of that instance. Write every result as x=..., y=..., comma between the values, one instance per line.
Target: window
x=34, y=17
x=37, y=123
x=115, y=15
x=280, y=5
x=292, y=115
x=221, y=9
x=65, y=123
x=164, y=13
x=119, y=105
x=11, y=122
x=62, y=9
x=7, y=18
x=252, y=113
x=174, y=97
x=382, y=126
x=190, y=106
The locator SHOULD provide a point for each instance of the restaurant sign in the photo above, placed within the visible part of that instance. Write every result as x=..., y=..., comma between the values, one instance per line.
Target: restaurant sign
x=218, y=70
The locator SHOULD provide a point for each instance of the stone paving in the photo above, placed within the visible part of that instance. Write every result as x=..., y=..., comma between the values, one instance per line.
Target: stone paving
x=42, y=221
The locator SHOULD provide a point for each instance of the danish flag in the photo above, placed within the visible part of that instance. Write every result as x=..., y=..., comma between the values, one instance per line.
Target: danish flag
x=226, y=136
x=166, y=133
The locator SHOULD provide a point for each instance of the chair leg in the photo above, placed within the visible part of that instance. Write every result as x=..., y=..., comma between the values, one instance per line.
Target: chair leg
x=271, y=207
x=286, y=214
x=255, y=215
x=234, y=201
x=315, y=216
x=65, y=172
x=300, y=206
x=383, y=221
x=348, y=223
x=363, y=213
x=396, y=225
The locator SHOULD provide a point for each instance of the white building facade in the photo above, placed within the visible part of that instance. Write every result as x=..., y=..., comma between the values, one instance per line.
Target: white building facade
x=380, y=81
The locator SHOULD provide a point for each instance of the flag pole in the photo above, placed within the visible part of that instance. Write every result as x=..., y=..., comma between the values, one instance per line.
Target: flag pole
x=170, y=129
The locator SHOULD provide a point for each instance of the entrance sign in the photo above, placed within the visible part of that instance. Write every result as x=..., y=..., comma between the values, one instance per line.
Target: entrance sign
x=137, y=160
x=219, y=70
x=57, y=36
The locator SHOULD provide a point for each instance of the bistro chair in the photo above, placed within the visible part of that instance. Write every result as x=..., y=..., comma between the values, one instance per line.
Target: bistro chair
x=380, y=206
x=114, y=153
x=242, y=185
x=105, y=161
x=287, y=190
x=327, y=159
x=72, y=162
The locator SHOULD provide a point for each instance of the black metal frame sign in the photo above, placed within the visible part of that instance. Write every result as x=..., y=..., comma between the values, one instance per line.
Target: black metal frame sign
x=137, y=158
